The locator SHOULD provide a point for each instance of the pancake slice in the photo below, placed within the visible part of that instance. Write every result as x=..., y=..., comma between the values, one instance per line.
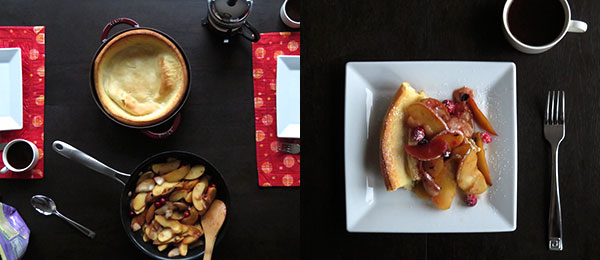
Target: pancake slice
x=395, y=165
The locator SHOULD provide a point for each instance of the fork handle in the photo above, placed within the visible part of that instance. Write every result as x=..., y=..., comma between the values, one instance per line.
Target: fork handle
x=555, y=217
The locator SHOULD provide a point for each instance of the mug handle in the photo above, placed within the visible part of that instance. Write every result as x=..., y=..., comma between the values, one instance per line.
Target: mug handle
x=253, y=35
x=167, y=133
x=114, y=22
x=3, y=170
x=577, y=26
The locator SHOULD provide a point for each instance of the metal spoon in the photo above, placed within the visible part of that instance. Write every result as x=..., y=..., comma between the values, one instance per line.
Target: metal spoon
x=46, y=206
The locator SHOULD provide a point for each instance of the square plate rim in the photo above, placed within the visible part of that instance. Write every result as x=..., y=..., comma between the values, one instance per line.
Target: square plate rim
x=512, y=225
x=279, y=131
x=17, y=121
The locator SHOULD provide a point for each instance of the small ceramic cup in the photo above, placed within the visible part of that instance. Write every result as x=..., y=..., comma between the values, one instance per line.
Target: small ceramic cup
x=286, y=19
x=35, y=155
x=569, y=26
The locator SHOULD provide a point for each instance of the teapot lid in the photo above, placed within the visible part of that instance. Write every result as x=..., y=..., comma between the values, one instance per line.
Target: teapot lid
x=230, y=11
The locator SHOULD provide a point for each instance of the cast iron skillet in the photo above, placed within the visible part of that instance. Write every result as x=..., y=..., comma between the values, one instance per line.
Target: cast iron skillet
x=147, y=130
x=130, y=182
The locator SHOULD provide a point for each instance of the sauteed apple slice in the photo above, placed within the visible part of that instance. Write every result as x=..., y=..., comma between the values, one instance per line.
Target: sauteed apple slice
x=195, y=172
x=448, y=188
x=172, y=224
x=178, y=174
x=481, y=161
x=197, y=193
x=162, y=168
x=421, y=115
x=139, y=203
x=452, y=138
x=429, y=151
x=480, y=118
x=468, y=174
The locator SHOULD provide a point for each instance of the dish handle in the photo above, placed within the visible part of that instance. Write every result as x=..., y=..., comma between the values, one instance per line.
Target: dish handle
x=114, y=22
x=72, y=153
x=167, y=133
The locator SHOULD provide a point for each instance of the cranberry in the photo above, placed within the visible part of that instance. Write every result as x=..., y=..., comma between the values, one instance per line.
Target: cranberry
x=157, y=204
x=418, y=134
x=186, y=214
x=486, y=138
x=131, y=213
x=449, y=105
x=471, y=200
x=163, y=201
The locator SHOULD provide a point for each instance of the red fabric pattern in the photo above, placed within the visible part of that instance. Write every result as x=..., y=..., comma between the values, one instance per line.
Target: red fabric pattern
x=31, y=40
x=274, y=168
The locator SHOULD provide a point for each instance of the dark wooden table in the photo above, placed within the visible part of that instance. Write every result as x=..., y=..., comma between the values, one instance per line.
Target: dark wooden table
x=217, y=123
x=335, y=32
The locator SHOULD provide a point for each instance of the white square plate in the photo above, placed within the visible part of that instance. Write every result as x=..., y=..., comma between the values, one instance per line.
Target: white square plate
x=370, y=88
x=288, y=96
x=11, y=89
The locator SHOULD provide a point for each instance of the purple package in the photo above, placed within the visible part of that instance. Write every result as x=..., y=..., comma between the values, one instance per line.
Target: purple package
x=14, y=234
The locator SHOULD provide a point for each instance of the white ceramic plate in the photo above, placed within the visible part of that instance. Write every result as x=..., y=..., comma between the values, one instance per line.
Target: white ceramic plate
x=11, y=89
x=370, y=88
x=288, y=96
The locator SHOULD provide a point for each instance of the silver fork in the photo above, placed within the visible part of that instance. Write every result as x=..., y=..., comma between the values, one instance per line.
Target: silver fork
x=554, y=131
x=291, y=148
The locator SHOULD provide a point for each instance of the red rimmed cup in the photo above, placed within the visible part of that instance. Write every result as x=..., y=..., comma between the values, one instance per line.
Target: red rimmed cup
x=170, y=123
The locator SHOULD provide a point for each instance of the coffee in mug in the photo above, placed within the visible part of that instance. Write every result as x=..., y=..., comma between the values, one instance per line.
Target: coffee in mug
x=19, y=155
x=535, y=26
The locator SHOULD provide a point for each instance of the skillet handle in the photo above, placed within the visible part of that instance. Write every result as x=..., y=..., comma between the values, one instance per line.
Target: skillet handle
x=114, y=22
x=72, y=153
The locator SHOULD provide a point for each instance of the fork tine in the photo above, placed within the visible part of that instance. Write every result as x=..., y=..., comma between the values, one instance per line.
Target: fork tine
x=547, y=118
x=552, y=108
x=562, y=110
x=557, y=110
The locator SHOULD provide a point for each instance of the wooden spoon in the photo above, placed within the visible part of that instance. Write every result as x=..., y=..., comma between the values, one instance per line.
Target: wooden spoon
x=211, y=223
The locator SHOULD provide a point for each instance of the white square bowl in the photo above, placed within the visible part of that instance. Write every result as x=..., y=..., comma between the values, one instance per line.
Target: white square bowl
x=11, y=89
x=370, y=88
x=288, y=96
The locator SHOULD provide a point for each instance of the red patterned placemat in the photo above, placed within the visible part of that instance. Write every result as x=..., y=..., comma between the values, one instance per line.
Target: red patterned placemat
x=31, y=40
x=274, y=168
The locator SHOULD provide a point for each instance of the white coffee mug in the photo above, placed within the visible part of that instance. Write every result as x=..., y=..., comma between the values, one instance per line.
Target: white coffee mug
x=32, y=163
x=569, y=26
x=286, y=19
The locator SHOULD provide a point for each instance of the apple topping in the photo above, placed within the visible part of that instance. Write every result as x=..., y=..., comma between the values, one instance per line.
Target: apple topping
x=195, y=172
x=420, y=115
x=162, y=168
x=432, y=150
x=164, y=205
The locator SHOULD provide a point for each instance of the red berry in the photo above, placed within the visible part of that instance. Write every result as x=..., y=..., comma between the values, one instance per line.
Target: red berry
x=186, y=214
x=449, y=105
x=163, y=201
x=471, y=200
x=157, y=204
x=131, y=213
x=418, y=134
x=486, y=138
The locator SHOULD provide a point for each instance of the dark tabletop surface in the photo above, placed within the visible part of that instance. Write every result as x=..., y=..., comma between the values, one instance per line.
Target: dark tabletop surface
x=217, y=123
x=451, y=30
